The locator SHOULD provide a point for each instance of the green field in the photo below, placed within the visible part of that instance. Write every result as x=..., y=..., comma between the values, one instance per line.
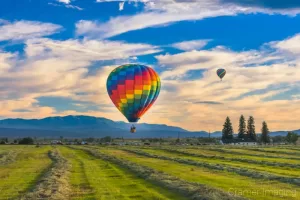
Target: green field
x=137, y=172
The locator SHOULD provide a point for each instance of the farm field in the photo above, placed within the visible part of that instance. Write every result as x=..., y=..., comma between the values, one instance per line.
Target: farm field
x=138, y=172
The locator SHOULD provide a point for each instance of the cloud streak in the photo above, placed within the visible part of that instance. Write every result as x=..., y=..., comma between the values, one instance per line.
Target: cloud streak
x=288, y=4
x=66, y=6
x=22, y=30
x=208, y=102
x=190, y=45
x=158, y=13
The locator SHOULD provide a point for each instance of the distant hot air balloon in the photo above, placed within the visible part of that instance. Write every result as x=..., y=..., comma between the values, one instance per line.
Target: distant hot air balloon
x=221, y=73
x=133, y=88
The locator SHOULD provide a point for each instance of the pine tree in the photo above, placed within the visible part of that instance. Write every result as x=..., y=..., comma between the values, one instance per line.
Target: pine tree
x=227, y=132
x=265, y=133
x=242, y=127
x=251, y=129
x=292, y=137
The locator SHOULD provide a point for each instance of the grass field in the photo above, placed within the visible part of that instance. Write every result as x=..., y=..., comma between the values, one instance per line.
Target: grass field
x=20, y=176
x=128, y=172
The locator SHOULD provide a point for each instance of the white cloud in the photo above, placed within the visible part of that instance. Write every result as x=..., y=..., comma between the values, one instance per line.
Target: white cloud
x=296, y=96
x=190, y=45
x=74, y=7
x=59, y=68
x=2, y=21
x=179, y=64
x=273, y=78
x=5, y=60
x=290, y=45
x=158, y=13
x=22, y=30
x=154, y=17
x=10, y=109
x=91, y=50
x=66, y=6
x=64, y=1
x=121, y=5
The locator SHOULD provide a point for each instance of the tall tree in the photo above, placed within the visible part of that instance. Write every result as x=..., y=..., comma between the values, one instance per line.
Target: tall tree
x=242, y=127
x=251, y=129
x=227, y=132
x=265, y=138
x=292, y=137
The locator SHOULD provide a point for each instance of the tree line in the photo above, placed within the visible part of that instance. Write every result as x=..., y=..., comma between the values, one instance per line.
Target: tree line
x=246, y=132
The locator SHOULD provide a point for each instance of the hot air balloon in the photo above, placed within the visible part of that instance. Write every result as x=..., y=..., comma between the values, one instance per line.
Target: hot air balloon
x=133, y=89
x=221, y=73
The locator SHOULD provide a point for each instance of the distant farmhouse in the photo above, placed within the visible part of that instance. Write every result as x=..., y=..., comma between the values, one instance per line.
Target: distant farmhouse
x=239, y=141
x=56, y=142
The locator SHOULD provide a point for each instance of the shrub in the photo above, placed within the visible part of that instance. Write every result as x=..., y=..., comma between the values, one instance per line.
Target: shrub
x=27, y=140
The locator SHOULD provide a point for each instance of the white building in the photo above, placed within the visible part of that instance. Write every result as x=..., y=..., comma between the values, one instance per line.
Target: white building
x=239, y=143
x=245, y=143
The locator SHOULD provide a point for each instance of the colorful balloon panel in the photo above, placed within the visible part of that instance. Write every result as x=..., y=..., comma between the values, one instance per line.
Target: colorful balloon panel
x=221, y=73
x=133, y=89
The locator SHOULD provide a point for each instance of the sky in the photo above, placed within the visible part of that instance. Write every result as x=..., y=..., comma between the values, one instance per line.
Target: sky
x=55, y=56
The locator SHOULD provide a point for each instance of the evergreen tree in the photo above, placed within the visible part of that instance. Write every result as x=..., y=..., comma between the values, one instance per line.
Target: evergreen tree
x=27, y=140
x=265, y=138
x=242, y=127
x=227, y=132
x=251, y=129
x=292, y=137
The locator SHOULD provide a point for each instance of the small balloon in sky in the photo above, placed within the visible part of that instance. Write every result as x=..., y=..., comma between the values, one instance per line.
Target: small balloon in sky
x=221, y=73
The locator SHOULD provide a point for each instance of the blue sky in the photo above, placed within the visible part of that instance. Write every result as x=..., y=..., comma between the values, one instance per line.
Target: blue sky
x=55, y=56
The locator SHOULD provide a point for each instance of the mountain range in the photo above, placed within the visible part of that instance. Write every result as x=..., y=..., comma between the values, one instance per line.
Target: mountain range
x=87, y=126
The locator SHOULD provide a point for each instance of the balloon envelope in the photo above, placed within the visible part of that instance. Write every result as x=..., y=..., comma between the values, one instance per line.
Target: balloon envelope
x=133, y=89
x=221, y=73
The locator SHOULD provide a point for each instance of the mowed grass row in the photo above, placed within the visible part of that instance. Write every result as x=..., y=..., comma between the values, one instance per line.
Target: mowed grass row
x=254, y=162
x=4, y=149
x=244, y=158
x=279, y=171
x=21, y=175
x=268, y=150
x=296, y=148
x=9, y=154
x=229, y=182
x=278, y=150
x=249, y=152
x=93, y=178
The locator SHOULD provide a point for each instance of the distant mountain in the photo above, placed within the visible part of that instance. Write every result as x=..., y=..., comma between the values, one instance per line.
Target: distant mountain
x=297, y=131
x=87, y=126
x=283, y=133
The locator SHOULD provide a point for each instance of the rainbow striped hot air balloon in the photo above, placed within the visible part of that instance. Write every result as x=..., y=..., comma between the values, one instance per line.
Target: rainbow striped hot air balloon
x=221, y=73
x=133, y=88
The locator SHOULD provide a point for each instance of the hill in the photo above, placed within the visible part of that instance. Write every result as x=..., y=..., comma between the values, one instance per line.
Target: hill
x=86, y=126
